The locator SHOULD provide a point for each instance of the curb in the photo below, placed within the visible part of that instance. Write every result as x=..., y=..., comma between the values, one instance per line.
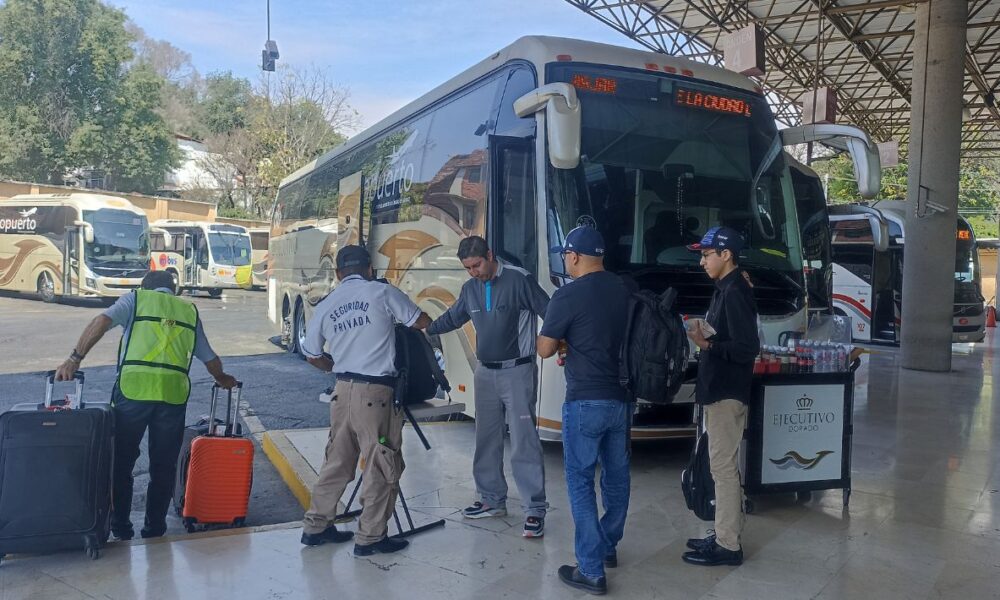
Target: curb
x=293, y=468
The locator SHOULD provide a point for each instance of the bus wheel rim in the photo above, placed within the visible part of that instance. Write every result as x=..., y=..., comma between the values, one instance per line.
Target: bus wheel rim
x=47, y=286
x=300, y=327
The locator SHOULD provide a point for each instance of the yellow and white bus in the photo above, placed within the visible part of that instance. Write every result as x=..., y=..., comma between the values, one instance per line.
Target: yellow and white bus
x=259, y=239
x=540, y=137
x=72, y=245
x=202, y=255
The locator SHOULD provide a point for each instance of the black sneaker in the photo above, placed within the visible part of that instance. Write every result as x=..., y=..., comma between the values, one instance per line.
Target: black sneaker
x=385, y=546
x=611, y=560
x=123, y=534
x=714, y=555
x=330, y=535
x=534, y=527
x=572, y=577
x=478, y=510
x=699, y=543
x=152, y=532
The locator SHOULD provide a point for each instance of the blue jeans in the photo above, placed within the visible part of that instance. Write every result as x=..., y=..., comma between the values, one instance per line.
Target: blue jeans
x=597, y=430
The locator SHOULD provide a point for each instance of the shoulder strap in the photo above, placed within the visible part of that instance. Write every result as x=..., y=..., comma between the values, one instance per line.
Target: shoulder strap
x=625, y=365
x=436, y=371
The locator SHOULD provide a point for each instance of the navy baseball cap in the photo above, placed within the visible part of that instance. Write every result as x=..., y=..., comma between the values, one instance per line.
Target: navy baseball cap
x=583, y=240
x=353, y=256
x=719, y=238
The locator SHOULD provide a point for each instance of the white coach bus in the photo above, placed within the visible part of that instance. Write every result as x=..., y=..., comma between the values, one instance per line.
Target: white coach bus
x=540, y=137
x=202, y=255
x=72, y=245
x=867, y=248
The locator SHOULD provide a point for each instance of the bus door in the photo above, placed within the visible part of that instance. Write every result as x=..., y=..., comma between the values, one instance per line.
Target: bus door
x=513, y=232
x=72, y=261
x=192, y=260
x=885, y=303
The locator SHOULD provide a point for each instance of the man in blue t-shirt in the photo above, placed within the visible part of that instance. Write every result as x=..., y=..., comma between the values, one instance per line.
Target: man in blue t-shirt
x=588, y=315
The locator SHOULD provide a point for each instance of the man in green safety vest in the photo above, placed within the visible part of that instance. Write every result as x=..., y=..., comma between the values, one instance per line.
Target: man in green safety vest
x=162, y=334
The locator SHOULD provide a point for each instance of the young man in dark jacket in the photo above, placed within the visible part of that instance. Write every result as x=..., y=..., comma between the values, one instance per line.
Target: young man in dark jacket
x=725, y=370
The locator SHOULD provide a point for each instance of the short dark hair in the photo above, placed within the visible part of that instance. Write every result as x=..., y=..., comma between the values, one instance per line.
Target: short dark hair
x=473, y=247
x=735, y=255
x=353, y=270
x=159, y=279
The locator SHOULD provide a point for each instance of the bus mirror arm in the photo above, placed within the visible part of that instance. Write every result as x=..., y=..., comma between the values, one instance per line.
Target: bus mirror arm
x=854, y=141
x=88, y=231
x=562, y=116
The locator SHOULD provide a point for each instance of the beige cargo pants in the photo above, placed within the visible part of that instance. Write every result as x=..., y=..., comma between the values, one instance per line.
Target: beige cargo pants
x=362, y=414
x=725, y=421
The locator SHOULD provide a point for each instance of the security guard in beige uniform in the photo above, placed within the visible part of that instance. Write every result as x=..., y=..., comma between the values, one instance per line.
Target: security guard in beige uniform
x=357, y=320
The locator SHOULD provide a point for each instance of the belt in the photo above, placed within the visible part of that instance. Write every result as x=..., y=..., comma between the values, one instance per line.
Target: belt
x=508, y=364
x=388, y=380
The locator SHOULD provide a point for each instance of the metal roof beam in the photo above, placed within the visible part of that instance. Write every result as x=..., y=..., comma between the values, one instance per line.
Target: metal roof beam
x=871, y=6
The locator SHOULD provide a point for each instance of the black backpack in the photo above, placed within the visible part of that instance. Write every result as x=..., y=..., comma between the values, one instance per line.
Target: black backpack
x=655, y=349
x=420, y=375
x=697, y=483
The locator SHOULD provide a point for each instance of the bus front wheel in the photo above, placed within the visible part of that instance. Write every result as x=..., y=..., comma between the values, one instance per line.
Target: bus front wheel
x=299, y=330
x=46, y=287
x=215, y=292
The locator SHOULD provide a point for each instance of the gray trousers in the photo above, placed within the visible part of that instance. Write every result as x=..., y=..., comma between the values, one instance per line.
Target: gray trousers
x=508, y=393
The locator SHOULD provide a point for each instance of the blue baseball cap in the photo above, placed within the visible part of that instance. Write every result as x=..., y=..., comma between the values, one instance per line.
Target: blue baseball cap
x=353, y=256
x=583, y=240
x=719, y=238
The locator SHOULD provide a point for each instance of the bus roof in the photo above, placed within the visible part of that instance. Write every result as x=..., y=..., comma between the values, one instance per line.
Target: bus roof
x=81, y=201
x=209, y=225
x=538, y=50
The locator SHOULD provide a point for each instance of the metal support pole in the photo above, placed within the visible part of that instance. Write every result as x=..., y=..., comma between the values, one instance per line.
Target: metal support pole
x=932, y=190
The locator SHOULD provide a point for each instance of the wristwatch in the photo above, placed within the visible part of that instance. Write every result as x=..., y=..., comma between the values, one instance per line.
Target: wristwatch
x=76, y=356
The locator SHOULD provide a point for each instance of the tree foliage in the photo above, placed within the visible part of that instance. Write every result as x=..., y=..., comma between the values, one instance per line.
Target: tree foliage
x=67, y=96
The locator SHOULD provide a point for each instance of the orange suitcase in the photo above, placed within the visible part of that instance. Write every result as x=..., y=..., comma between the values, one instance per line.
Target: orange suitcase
x=220, y=472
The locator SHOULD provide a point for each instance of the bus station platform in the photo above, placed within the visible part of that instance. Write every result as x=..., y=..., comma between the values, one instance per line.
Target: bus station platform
x=923, y=522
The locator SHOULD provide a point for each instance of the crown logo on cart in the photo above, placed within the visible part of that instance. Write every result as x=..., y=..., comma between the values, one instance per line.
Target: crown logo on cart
x=804, y=403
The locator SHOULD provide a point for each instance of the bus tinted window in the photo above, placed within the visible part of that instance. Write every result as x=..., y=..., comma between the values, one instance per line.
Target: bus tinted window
x=520, y=82
x=258, y=240
x=514, y=209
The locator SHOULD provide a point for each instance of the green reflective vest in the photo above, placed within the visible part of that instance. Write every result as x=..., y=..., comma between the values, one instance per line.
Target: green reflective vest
x=159, y=349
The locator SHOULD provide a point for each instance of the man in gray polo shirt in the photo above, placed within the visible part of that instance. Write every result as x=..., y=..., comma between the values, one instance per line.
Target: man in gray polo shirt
x=502, y=301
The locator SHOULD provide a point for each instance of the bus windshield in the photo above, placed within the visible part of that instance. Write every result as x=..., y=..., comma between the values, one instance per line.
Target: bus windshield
x=966, y=256
x=663, y=160
x=121, y=239
x=231, y=249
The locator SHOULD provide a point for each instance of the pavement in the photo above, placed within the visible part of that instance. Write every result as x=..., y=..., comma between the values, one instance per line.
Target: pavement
x=924, y=518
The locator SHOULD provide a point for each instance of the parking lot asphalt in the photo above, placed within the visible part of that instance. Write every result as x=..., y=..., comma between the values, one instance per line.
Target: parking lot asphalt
x=279, y=389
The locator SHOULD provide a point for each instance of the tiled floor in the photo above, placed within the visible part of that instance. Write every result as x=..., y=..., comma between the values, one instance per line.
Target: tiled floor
x=924, y=522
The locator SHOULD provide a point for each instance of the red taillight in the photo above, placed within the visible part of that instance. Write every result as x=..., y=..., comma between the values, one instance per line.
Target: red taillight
x=963, y=321
x=652, y=66
x=564, y=57
x=667, y=69
x=687, y=72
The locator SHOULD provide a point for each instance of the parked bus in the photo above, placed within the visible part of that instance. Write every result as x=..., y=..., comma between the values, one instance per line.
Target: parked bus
x=541, y=137
x=868, y=273
x=259, y=239
x=202, y=255
x=72, y=245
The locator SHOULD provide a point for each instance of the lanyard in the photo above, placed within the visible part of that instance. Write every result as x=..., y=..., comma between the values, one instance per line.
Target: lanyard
x=489, y=296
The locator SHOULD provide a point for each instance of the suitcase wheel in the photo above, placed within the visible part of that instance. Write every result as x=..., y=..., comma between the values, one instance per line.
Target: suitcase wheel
x=92, y=548
x=803, y=496
x=239, y=521
x=748, y=506
x=190, y=525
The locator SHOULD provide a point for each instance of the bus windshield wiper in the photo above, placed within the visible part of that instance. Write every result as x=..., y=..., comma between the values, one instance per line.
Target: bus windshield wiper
x=784, y=276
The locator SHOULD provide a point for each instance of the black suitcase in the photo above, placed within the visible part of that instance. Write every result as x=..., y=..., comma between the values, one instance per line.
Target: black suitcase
x=55, y=475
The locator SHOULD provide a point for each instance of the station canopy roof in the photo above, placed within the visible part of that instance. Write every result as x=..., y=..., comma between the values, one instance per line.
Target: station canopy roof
x=863, y=50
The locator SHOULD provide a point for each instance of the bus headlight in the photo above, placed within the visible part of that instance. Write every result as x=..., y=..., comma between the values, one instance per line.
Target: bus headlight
x=90, y=282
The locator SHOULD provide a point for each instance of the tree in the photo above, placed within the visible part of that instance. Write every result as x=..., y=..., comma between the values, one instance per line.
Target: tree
x=274, y=129
x=182, y=83
x=64, y=85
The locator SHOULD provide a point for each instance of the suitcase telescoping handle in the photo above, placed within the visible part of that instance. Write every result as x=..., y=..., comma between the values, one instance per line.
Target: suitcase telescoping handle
x=50, y=383
x=231, y=408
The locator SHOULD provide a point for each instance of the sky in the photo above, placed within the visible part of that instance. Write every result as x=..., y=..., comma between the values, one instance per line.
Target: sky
x=386, y=53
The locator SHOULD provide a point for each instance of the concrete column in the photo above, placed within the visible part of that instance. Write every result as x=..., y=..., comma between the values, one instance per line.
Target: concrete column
x=935, y=141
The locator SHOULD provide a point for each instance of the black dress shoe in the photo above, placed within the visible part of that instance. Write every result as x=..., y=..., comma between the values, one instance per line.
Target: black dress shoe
x=699, y=543
x=384, y=546
x=714, y=555
x=123, y=533
x=611, y=560
x=572, y=577
x=330, y=535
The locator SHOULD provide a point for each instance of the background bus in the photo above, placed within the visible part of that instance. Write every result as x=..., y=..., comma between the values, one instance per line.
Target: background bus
x=868, y=282
x=83, y=245
x=259, y=240
x=649, y=149
x=202, y=255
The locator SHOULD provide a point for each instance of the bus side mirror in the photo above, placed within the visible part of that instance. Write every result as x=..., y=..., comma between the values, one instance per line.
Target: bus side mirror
x=562, y=116
x=854, y=141
x=88, y=231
